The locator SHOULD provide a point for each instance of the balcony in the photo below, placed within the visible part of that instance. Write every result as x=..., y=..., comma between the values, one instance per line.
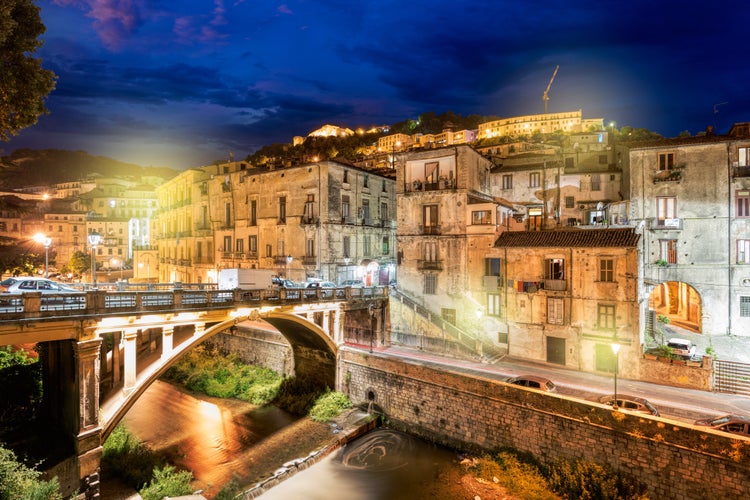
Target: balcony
x=666, y=224
x=741, y=171
x=309, y=219
x=491, y=283
x=309, y=260
x=430, y=265
x=555, y=285
x=432, y=229
x=419, y=185
x=671, y=175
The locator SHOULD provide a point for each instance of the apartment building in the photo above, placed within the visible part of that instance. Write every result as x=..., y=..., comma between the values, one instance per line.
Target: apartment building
x=324, y=220
x=690, y=198
x=569, y=121
x=447, y=221
x=565, y=296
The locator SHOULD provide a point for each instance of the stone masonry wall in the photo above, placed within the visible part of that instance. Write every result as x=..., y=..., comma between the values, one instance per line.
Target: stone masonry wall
x=672, y=459
x=259, y=347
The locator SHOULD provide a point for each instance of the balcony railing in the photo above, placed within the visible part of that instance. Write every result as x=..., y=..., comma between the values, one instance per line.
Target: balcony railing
x=419, y=185
x=430, y=265
x=433, y=229
x=555, y=285
x=309, y=219
x=741, y=171
x=671, y=175
x=309, y=260
x=491, y=282
x=666, y=224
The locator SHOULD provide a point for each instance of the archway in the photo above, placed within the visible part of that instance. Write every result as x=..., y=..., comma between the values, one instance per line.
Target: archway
x=679, y=302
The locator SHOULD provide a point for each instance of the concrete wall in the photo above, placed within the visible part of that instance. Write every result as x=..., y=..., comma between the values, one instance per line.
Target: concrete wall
x=673, y=460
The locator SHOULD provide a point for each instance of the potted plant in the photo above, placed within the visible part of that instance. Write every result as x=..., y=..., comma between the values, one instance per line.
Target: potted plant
x=662, y=263
x=665, y=353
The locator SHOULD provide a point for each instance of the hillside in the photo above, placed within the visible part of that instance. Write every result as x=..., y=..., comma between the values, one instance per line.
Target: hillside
x=30, y=167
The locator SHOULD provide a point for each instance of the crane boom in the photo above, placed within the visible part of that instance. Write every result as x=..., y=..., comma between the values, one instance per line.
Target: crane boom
x=545, y=96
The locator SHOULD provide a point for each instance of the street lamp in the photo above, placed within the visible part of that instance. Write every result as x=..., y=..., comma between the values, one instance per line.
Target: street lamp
x=289, y=260
x=616, y=350
x=44, y=240
x=94, y=240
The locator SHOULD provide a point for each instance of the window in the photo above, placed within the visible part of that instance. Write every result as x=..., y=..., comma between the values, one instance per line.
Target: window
x=743, y=157
x=554, y=269
x=384, y=211
x=227, y=215
x=310, y=247
x=347, y=246
x=666, y=208
x=596, y=182
x=492, y=267
x=668, y=251
x=570, y=202
x=743, y=251
x=602, y=159
x=383, y=189
x=430, y=284
x=252, y=245
x=493, y=304
x=227, y=244
x=366, y=245
x=481, y=217
x=282, y=209
x=345, y=209
x=666, y=161
x=745, y=307
x=386, y=245
x=430, y=251
x=430, y=216
x=365, y=209
x=346, y=177
x=534, y=179
x=254, y=212
x=309, y=214
x=364, y=181
x=605, y=314
x=507, y=182
x=269, y=251
x=606, y=270
x=199, y=250
x=239, y=245
x=743, y=204
x=555, y=311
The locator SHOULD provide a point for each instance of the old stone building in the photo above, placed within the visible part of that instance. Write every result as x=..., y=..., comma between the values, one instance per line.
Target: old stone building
x=566, y=296
x=690, y=197
x=324, y=220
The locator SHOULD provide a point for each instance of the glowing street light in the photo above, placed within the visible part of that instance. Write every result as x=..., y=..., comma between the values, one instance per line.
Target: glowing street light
x=616, y=350
x=94, y=240
x=44, y=240
x=289, y=259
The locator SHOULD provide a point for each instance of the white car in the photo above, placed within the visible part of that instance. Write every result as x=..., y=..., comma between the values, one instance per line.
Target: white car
x=682, y=347
x=24, y=284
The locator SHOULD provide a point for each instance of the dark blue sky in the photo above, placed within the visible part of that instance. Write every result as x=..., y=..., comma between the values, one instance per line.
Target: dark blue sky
x=181, y=83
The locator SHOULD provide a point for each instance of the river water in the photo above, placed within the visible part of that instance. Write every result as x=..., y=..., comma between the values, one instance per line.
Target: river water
x=220, y=440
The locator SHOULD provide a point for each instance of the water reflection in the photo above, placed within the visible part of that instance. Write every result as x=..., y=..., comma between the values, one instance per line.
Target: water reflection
x=384, y=464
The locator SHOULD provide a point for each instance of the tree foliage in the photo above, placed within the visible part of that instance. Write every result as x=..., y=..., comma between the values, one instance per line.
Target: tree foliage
x=24, y=84
x=17, y=259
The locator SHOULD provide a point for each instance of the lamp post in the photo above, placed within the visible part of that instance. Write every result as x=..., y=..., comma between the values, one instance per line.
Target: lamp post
x=346, y=267
x=44, y=240
x=94, y=240
x=616, y=350
x=371, y=311
x=289, y=260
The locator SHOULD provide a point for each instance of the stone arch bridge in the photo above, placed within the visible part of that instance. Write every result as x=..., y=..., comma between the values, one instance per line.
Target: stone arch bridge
x=101, y=350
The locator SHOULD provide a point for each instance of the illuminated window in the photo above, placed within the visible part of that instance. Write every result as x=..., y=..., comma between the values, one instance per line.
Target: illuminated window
x=481, y=217
x=554, y=269
x=743, y=157
x=666, y=209
x=605, y=314
x=743, y=251
x=493, y=304
x=606, y=270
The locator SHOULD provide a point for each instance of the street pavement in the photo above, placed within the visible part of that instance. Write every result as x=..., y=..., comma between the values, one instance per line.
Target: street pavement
x=676, y=403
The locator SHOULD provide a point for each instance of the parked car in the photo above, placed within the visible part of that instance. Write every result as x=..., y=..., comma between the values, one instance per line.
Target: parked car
x=320, y=284
x=23, y=284
x=734, y=424
x=631, y=403
x=534, y=382
x=353, y=283
x=682, y=347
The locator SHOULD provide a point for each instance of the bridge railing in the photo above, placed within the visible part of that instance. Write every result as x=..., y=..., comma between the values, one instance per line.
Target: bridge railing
x=105, y=302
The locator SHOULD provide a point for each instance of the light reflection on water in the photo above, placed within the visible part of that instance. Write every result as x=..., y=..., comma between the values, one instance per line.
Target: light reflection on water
x=383, y=464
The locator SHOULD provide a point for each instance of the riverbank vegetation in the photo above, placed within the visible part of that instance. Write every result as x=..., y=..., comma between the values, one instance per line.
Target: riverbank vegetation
x=20, y=481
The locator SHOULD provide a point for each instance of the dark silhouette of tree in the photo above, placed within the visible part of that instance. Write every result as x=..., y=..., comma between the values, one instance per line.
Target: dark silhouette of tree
x=24, y=84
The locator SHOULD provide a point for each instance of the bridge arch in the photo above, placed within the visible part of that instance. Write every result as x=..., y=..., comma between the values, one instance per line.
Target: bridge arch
x=314, y=354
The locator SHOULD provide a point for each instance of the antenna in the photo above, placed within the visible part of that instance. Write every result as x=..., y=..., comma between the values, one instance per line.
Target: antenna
x=545, y=96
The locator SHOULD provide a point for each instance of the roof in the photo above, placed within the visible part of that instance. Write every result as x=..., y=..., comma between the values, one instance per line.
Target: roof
x=570, y=238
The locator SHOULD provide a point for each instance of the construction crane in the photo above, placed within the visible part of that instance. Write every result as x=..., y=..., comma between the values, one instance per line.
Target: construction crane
x=545, y=96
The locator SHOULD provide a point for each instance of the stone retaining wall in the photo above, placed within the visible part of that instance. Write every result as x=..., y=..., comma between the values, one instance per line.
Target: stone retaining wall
x=672, y=459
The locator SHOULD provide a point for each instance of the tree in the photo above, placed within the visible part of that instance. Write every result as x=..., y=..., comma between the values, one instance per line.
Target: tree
x=24, y=84
x=79, y=263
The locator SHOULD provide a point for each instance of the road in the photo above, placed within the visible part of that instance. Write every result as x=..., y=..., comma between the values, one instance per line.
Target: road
x=685, y=405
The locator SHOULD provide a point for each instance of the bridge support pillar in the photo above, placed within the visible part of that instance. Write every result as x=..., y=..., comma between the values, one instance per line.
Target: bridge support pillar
x=338, y=334
x=200, y=328
x=131, y=342
x=167, y=341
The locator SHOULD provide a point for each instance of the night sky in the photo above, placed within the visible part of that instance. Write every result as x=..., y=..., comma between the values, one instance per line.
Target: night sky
x=182, y=83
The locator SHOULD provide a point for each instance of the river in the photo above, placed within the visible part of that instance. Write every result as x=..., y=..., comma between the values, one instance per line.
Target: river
x=223, y=439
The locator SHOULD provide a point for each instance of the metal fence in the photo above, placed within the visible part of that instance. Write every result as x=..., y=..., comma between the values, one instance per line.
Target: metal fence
x=732, y=377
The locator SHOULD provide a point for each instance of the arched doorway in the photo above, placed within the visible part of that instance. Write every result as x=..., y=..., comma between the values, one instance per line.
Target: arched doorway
x=679, y=302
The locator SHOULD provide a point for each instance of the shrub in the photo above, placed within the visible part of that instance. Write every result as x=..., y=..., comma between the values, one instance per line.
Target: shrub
x=298, y=395
x=128, y=458
x=589, y=481
x=19, y=481
x=329, y=405
x=167, y=482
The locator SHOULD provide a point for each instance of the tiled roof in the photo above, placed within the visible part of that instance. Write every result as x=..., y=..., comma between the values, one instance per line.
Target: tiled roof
x=568, y=238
